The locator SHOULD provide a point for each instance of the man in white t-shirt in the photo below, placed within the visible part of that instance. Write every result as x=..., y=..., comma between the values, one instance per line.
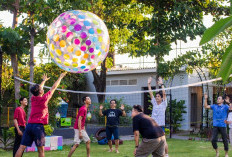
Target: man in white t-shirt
x=159, y=103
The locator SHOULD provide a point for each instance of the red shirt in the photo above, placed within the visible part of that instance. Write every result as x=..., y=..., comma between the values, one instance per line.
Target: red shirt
x=82, y=112
x=39, y=109
x=20, y=116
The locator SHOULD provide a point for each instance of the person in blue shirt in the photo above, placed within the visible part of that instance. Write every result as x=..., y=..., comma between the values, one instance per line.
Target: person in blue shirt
x=220, y=111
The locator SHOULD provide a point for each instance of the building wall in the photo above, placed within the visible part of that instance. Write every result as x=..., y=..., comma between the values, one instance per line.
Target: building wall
x=141, y=76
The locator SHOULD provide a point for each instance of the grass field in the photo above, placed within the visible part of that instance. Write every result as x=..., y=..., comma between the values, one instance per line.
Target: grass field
x=177, y=148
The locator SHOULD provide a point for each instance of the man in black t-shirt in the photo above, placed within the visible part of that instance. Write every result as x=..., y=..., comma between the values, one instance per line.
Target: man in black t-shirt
x=153, y=141
x=112, y=116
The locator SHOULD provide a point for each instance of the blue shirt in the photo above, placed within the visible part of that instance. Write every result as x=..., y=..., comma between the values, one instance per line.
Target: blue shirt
x=219, y=114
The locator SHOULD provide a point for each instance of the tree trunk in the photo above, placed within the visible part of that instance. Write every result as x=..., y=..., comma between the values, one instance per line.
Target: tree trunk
x=100, y=81
x=14, y=63
x=14, y=60
x=31, y=63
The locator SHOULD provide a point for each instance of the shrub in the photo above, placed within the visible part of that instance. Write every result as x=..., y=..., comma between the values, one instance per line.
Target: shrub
x=48, y=129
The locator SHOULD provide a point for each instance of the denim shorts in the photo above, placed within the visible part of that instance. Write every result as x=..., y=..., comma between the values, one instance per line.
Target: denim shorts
x=34, y=132
x=110, y=131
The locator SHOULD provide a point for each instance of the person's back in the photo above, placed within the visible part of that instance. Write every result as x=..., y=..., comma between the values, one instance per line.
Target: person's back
x=147, y=126
x=39, y=109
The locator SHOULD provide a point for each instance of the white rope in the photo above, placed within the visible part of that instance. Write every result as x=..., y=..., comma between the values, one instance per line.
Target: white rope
x=131, y=92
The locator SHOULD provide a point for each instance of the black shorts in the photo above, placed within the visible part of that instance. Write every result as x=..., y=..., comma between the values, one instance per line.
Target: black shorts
x=110, y=131
x=34, y=132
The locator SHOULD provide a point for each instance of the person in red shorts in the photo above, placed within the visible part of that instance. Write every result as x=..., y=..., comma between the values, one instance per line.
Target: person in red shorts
x=19, y=123
x=38, y=117
x=79, y=128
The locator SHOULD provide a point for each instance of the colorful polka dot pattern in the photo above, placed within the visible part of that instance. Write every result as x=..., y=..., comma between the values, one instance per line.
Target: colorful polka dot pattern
x=78, y=41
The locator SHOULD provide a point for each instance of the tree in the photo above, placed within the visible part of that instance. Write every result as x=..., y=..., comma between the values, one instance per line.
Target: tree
x=219, y=27
x=117, y=15
x=13, y=6
x=169, y=21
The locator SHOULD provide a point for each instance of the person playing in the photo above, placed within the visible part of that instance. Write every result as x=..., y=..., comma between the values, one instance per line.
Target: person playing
x=112, y=116
x=79, y=127
x=159, y=104
x=219, y=126
x=153, y=138
x=39, y=116
x=19, y=123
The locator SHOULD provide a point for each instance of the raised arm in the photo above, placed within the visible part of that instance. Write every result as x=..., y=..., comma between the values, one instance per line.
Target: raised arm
x=206, y=106
x=149, y=87
x=100, y=110
x=56, y=84
x=45, y=78
x=123, y=110
x=160, y=82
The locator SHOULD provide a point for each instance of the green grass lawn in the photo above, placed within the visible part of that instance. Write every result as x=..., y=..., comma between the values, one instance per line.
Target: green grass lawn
x=177, y=148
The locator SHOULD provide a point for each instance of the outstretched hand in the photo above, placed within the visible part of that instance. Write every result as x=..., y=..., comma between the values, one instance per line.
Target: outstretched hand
x=101, y=107
x=160, y=81
x=122, y=107
x=45, y=77
x=149, y=80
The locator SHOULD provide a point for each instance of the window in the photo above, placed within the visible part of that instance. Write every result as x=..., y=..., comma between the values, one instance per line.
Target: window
x=132, y=82
x=123, y=82
x=114, y=82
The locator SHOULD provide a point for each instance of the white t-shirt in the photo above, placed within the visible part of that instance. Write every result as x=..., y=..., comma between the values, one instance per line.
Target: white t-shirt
x=229, y=118
x=158, y=111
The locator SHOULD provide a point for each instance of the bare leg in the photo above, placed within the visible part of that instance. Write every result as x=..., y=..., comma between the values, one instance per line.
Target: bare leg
x=226, y=154
x=217, y=152
x=116, y=145
x=88, y=148
x=166, y=148
x=72, y=150
x=20, y=151
x=41, y=151
x=110, y=145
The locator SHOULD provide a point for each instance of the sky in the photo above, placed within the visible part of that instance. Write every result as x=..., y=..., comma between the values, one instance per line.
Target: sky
x=124, y=60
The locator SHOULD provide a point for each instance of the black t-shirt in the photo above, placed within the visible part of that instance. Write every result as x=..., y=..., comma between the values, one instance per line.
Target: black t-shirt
x=112, y=117
x=147, y=127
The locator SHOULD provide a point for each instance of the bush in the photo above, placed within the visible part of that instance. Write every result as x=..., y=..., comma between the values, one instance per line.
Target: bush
x=101, y=120
x=7, y=134
x=178, y=109
x=48, y=129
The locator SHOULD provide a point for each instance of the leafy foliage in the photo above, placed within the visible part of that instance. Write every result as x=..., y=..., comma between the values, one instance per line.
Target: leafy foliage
x=6, y=137
x=48, y=129
x=178, y=109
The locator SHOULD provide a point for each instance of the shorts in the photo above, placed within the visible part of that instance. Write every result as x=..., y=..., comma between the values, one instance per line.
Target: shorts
x=110, y=131
x=156, y=147
x=77, y=139
x=34, y=132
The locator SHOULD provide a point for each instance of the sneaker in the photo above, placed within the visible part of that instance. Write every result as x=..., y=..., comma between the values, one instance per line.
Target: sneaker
x=226, y=155
x=117, y=151
x=166, y=155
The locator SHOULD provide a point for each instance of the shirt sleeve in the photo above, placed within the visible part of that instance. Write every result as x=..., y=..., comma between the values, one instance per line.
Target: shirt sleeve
x=227, y=107
x=16, y=113
x=47, y=95
x=135, y=124
x=153, y=101
x=165, y=103
x=119, y=112
x=212, y=106
x=82, y=113
x=105, y=112
x=229, y=117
